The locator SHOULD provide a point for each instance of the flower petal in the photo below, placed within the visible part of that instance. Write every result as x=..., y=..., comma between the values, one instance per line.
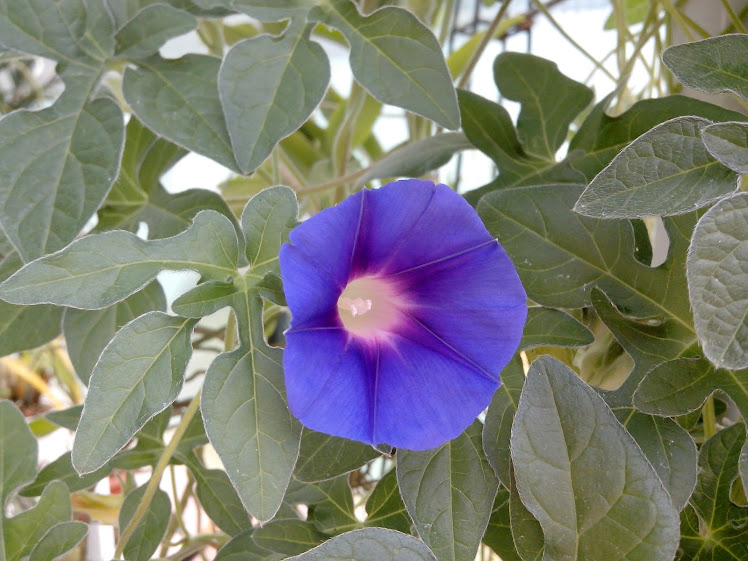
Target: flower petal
x=311, y=292
x=328, y=382
x=328, y=238
x=474, y=303
x=424, y=398
x=412, y=222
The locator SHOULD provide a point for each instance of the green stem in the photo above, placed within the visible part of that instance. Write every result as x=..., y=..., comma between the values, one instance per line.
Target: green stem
x=158, y=472
x=677, y=15
x=709, y=418
x=543, y=10
x=733, y=17
x=448, y=8
x=482, y=46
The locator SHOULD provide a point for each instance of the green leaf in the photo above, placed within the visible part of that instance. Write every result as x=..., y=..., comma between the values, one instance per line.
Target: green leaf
x=66, y=418
x=385, y=507
x=497, y=426
x=601, y=136
x=269, y=10
x=417, y=158
x=248, y=422
x=332, y=511
x=219, y=499
x=24, y=531
x=449, y=493
x=544, y=120
x=285, y=79
x=87, y=332
x=396, y=58
x=369, y=544
x=62, y=469
x=102, y=269
x=668, y=447
x=150, y=529
x=634, y=11
x=59, y=540
x=266, y=221
x=243, y=548
x=322, y=456
x=717, y=280
x=178, y=99
x=728, y=142
x=138, y=196
x=138, y=375
x=144, y=34
x=666, y=171
x=498, y=534
x=546, y=326
x=713, y=65
x=18, y=450
x=716, y=528
x=288, y=537
x=526, y=530
x=582, y=475
x=57, y=164
x=680, y=386
x=560, y=256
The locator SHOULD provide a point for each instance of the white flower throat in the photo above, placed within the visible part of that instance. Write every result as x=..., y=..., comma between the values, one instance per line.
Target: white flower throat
x=370, y=307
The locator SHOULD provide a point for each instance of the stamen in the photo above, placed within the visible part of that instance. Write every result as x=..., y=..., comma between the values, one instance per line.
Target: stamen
x=357, y=307
x=370, y=307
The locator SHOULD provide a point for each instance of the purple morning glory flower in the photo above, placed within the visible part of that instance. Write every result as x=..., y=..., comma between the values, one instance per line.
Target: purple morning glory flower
x=404, y=311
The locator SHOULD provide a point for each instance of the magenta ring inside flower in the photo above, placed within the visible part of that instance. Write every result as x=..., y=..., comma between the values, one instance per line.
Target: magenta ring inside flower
x=404, y=311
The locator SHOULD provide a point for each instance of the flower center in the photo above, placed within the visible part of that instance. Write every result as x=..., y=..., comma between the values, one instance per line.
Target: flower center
x=369, y=307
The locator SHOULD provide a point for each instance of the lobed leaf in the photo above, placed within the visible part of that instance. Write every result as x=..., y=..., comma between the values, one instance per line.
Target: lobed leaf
x=717, y=280
x=102, y=269
x=582, y=475
x=547, y=326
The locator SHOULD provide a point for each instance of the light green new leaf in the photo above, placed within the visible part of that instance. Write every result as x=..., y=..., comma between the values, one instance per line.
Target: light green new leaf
x=715, y=528
x=218, y=498
x=396, y=58
x=58, y=541
x=288, y=537
x=583, y=477
x=497, y=426
x=247, y=418
x=138, y=375
x=57, y=164
x=413, y=160
x=24, y=531
x=151, y=528
x=283, y=79
x=717, y=281
x=266, y=221
x=714, y=65
x=449, y=493
x=102, y=269
x=634, y=11
x=550, y=100
x=728, y=142
x=87, y=332
x=178, y=99
x=666, y=171
x=680, y=386
x=322, y=456
x=369, y=544
x=143, y=35
x=18, y=450
x=546, y=326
